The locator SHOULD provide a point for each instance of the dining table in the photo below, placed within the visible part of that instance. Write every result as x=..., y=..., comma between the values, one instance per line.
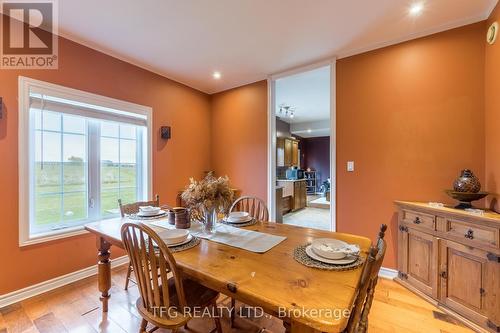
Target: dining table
x=306, y=299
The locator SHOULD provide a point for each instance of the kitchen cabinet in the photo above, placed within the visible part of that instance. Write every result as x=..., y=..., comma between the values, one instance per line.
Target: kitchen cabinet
x=294, y=194
x=452, y=258
x=287, y=152
x=295, y=153
x=300, y=195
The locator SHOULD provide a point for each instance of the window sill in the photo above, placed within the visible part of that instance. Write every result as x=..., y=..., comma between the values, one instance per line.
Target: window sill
x=52, y=235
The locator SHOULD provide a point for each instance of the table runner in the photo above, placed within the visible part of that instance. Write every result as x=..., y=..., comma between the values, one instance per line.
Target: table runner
x=249, y=240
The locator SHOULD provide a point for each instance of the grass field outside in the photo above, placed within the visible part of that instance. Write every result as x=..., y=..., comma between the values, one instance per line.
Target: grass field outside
x=61, y=190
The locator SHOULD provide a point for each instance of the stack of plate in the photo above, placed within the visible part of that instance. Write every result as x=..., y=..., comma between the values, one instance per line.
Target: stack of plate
x=175, y=237
x=238, y=217
x=333, y=251
x=150, y=211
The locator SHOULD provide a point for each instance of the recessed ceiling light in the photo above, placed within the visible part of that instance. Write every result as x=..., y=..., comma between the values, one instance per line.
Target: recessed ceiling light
x=416, y=9
x=216, y=75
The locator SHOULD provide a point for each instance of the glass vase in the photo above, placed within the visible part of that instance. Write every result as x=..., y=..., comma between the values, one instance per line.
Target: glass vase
x=210, y=219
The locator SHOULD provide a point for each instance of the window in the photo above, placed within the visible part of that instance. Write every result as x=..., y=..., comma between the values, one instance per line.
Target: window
x=78, y=154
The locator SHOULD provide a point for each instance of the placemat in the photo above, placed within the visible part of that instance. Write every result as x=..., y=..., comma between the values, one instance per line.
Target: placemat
x=300, y=255
x=192, y=243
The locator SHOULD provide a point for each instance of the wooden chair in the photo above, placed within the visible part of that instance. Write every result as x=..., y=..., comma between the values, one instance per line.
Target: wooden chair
x=133, y=208
x=358, y=320
x=252, y=205
x=258, y=210
x=164, y=302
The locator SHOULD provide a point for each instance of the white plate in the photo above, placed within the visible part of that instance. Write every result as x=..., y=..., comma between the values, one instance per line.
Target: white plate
x=174, y=236
x=151, y=214
x=187, y=240
x=330, y=248
x=245, y=220
x=237, y=216
x=344, y=261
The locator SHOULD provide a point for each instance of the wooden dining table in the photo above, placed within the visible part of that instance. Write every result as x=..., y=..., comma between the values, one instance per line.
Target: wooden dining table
x=306, y=299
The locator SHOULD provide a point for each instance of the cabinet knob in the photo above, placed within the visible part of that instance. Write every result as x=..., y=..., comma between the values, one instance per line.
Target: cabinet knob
x=417, y=220
x=469, y=234
x=444, y=275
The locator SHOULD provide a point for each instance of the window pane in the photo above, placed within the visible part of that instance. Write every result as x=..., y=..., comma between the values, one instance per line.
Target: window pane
x=109, y=129
x=127, y=151
x=47, y=147
x=51, y=121
x=47, y=177
x=109, y=202
x=74, y=124
x=37, y=118
x=109, y=150
x=128, y=175
x=110, y=175
x=74, y=157
x=127, y=132
x=47, y=169
x=128, y=195
x=75, y=206
x=47, y=209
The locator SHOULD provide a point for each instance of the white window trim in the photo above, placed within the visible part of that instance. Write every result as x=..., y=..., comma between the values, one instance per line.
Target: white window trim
x=24, y=86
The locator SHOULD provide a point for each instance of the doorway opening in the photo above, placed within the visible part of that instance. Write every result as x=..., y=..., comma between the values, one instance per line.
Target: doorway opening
x=301, y=180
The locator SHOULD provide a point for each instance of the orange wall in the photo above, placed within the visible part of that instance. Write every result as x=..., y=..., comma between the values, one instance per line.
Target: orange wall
x=186, y=154
x=239, y=137
x=492, y=115
x=411, y=117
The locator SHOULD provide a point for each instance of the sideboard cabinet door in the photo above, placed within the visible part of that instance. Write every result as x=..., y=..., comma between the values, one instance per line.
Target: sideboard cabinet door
x=467, y=282
x=419, y=260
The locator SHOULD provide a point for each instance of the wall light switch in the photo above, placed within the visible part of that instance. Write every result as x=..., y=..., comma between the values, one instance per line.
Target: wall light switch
x=350, y=166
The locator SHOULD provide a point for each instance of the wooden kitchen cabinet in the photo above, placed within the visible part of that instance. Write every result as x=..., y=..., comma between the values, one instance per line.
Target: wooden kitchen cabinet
x=451, y=258
x=294, y=194
x=287, y=152
x=300, y=195
x=295, y=153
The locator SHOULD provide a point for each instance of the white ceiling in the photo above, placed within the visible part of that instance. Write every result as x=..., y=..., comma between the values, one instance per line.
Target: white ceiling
x=308, y=93
x=246, y=40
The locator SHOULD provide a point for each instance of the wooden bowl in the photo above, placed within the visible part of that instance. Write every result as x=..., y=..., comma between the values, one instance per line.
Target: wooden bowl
x=465, y=198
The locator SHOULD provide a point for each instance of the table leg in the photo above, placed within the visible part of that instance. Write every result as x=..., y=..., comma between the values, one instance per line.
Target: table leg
x=104, y=271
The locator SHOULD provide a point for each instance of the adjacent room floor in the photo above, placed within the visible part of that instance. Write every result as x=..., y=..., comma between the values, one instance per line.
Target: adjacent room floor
x=310, y=217
x=315, y=215
x=76, y=308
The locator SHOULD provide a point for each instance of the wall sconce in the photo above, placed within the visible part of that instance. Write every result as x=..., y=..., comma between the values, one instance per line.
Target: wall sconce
x=165, y=132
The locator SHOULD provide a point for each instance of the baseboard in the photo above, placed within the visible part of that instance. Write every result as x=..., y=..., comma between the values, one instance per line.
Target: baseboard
x=388, y=273
x=42, y=287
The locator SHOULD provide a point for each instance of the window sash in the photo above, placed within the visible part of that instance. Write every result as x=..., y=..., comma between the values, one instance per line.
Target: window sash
x=93, y=185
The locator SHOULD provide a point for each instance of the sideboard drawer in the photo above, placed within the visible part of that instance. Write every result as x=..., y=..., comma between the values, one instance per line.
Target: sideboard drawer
x=419, y=220
x=474, y=233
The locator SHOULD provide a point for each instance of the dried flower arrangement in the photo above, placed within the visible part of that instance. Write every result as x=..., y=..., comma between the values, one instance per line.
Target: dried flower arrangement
x=208, y=194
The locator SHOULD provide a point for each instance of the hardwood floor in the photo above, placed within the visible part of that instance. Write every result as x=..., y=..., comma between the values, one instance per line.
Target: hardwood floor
x=76, y=308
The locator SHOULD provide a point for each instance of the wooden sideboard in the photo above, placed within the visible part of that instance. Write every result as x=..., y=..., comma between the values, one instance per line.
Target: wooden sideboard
x=452, y=258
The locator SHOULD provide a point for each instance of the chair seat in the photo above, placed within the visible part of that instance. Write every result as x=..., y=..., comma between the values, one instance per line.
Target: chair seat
x=196, y=295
